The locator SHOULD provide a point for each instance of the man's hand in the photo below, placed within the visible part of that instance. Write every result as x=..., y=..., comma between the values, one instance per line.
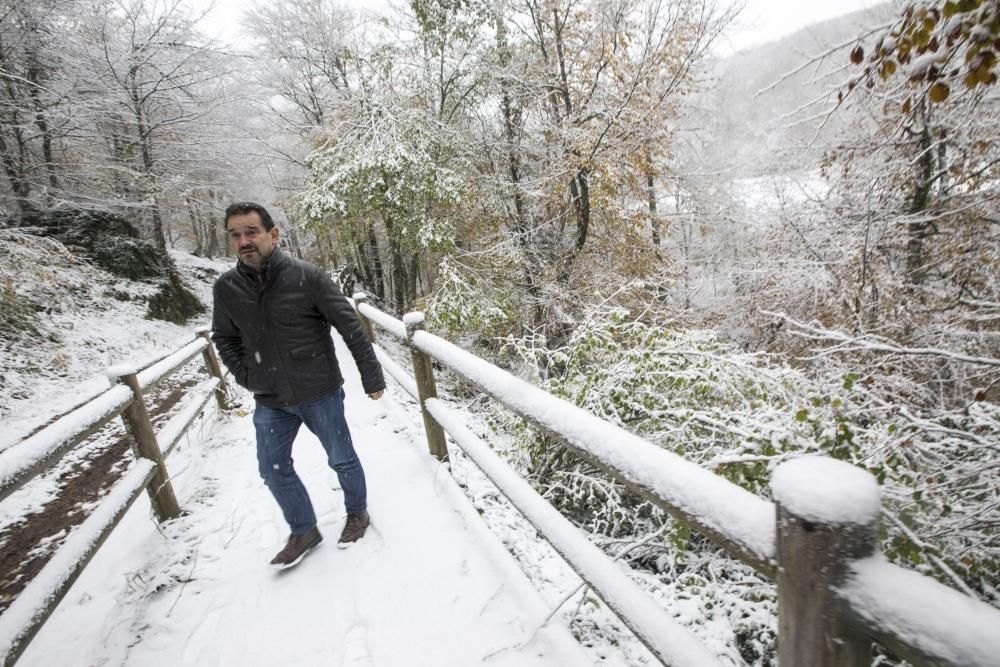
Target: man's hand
x=377, y=395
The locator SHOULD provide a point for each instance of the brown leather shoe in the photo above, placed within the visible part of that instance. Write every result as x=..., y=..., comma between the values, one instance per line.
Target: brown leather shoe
x=296, y=549
x=354, y=529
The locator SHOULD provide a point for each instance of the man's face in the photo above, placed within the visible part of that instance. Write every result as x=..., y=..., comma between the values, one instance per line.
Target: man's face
x=250, y=240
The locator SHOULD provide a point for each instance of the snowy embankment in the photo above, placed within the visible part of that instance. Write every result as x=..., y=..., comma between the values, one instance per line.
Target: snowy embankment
x=95, y=320
x=429, y=585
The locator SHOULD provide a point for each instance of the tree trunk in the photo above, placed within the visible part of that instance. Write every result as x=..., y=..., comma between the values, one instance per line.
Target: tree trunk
x=363, y=268
x=41, y=123
x=512, y=122
x=15, y=164
x=398, y=277
x=332, y=245
x=213, y=238
x=19, y=185
x=293, y=239
x=579, y=185
x=374, y=256
x=324, y=260
x=199, y=240
x=412, y=274
x=654, y=217
x=149, y=175
x=579, y=189
x=918, y=227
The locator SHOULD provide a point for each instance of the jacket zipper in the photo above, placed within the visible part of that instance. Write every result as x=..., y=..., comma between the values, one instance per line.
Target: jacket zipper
x=265, y=314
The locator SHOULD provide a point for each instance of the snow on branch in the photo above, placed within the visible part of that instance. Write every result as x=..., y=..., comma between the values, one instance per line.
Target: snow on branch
x=846, y=343
x=818, y=58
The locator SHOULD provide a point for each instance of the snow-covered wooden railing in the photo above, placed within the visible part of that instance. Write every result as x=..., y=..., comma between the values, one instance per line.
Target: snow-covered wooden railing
x=818, y=540
x=41, y=450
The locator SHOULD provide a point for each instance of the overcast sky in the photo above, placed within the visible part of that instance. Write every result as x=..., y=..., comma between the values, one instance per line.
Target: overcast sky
x=761, y=21
x=767, y=20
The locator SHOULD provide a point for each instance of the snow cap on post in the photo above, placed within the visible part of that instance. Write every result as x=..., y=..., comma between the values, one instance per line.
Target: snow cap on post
x=118, y=371
x=411, y=319
x=359, y=295
x=827, y=491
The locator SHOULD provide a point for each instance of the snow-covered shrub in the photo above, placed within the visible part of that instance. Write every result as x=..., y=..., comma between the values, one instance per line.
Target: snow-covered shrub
x=15, y=312
x=690, y=393
x=36, y=277
x=464, y=305
x=739, y=414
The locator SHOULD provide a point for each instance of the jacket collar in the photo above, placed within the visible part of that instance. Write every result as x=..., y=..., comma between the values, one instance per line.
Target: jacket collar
x=272, y=265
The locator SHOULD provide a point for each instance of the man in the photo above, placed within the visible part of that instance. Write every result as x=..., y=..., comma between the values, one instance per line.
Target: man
x=271, y=323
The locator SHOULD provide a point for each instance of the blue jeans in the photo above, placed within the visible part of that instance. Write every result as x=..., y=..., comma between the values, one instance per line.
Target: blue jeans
x=276, y=430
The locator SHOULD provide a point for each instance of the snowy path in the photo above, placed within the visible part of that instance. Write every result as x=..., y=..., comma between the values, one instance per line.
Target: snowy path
x=429, y=585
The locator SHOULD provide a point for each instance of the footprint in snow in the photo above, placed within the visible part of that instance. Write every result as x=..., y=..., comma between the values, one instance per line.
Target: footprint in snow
x=356, y=651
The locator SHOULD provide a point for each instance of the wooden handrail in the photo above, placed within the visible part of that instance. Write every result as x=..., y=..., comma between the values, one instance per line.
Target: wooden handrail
x=84, y=399
x=734, y=518
x=29, y=611
x=823, y=621
x=901, y=610
x=668, y=640
x=839, y=621
x=21, y=462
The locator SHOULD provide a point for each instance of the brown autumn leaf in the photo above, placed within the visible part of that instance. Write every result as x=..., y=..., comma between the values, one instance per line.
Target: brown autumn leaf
x=857, y=55
x=939, y=92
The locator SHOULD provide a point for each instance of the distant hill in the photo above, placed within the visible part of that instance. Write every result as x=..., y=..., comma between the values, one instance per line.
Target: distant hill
x=767, y=134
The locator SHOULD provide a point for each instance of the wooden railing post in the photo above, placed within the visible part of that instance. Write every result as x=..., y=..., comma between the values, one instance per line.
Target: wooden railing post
x=827, y=513
x=144, y=444
x=212, y=364
x=423, y=371
x=366, y=324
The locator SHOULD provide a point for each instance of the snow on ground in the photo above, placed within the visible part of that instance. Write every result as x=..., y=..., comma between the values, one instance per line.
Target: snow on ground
x=429, y=585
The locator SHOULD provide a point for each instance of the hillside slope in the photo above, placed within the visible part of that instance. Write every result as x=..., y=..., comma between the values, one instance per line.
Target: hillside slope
x=65, y=320
x=755, y=119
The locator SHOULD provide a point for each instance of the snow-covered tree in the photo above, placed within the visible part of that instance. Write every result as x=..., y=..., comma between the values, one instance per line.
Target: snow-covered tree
x=381, y=170
x=151, y=69
x=33, y=109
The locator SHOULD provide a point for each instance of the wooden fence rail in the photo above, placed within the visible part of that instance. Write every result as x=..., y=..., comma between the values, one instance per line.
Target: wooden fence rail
x=44, y=448
x=824, y=561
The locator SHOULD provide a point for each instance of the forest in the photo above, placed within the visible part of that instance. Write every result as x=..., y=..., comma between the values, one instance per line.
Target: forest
x=792, y=249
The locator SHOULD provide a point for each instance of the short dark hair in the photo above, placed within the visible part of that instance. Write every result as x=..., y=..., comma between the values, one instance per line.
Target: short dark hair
x=244, y=207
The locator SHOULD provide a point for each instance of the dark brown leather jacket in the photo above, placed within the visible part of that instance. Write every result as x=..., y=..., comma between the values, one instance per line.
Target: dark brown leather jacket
x=272, y=331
